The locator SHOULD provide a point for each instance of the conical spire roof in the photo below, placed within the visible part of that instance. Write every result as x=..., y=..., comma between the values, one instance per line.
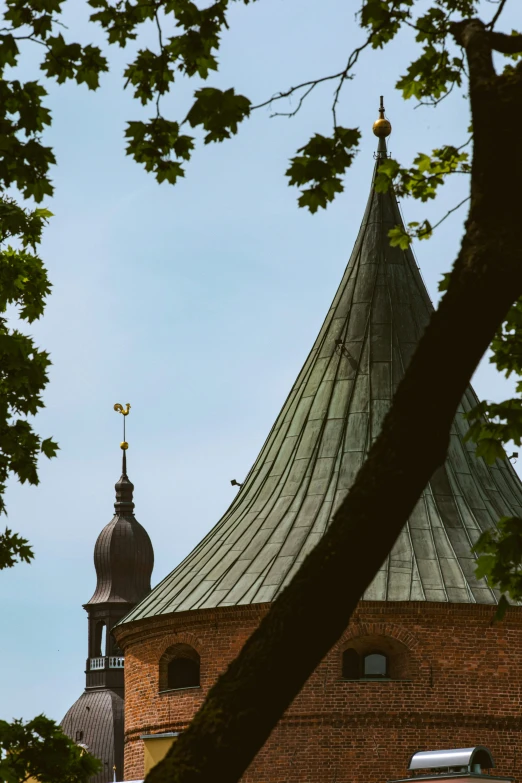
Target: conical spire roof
x=319, y=441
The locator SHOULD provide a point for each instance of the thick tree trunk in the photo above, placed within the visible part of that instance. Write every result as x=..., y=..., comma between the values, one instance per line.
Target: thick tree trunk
x=307, y=619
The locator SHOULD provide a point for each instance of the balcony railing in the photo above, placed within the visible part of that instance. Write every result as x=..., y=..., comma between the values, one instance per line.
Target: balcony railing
x=106, y=662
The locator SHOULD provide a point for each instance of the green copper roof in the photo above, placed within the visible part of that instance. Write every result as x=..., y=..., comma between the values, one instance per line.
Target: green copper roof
x=319, y=441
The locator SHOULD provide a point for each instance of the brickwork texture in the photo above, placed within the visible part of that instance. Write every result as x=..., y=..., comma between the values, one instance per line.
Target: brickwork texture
x=455, y=681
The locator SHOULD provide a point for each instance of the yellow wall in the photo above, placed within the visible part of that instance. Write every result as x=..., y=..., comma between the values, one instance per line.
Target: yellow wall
x=155, y=750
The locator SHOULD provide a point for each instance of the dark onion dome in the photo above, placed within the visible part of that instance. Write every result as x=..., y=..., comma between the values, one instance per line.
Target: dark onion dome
x=123, y=555
x=319, y=441
x=90, y=722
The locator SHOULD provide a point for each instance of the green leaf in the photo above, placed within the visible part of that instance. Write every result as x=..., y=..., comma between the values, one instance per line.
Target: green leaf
x=218, y=112
x=13, y=549
x=399, y=237
x=499, y=560
x=386, y=173
x=65, y=61
x=320, y=166
x=152, y=145
x=49, y=447
x=384, y=19
x=432, y=74
x=493, y=426
x=8, y=50
x=150, y=74
x=490, y=450
x=444, y=282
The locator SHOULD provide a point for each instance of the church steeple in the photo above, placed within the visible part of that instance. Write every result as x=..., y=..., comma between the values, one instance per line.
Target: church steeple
x=123, y=558
x=123, y=555
x=320, y=439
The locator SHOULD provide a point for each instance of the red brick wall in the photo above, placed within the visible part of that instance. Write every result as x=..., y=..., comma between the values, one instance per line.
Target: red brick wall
x=461, y=685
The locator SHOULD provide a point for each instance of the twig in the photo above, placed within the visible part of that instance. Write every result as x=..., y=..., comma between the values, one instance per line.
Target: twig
x=500, y=8
x=291, y=91
x=160, y=40
x=462, y=146
x=354, y=56
x=448, y=213
x=308, y=86
x=437, y=100
x=301, y=100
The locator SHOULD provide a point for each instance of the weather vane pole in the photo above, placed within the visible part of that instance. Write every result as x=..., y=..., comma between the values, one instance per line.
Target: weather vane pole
x=124, y=412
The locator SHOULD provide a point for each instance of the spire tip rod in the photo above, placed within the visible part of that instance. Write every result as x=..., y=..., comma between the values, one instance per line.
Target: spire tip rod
x=123, y=445
x=382, y=128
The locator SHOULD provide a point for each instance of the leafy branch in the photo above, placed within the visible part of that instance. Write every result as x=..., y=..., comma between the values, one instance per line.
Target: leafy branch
x=500, y=560
x=492, y=427
x=39, y=750
x=14, y=549
x=322, y=162
x=422, y=181
x=402, y=237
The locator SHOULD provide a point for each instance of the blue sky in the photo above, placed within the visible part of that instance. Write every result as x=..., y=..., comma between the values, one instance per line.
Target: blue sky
x=197, y=304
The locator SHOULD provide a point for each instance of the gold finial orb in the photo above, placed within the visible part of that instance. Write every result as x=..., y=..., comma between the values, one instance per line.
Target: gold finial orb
x=382, y=127
x=124, y=445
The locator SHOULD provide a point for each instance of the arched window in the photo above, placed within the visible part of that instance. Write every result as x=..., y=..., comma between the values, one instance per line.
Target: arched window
x=100, y=635
x=179, y=668
x=364, y=662
x=375, y=665
x=351, y=665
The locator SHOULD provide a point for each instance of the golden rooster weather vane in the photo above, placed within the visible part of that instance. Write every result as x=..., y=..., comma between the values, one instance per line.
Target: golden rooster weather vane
x=124, y=412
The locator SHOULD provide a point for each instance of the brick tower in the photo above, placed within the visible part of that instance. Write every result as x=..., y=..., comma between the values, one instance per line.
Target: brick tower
x=124, y=559
x=421, y=664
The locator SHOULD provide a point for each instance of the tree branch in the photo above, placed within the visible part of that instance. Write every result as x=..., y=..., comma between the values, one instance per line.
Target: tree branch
x=352, y=59
x=448, y=213
x=507, y=44
x=500, y=8
x=341, y=75
x=473, y=36
x=303, y=97
x=160, y=42
x=287, y=93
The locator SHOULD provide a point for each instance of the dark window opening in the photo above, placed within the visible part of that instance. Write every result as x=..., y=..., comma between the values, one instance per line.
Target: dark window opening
x=183, y=673
x=351, y=665
x=356, y=666
x=79, y=736
x=375, y=665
